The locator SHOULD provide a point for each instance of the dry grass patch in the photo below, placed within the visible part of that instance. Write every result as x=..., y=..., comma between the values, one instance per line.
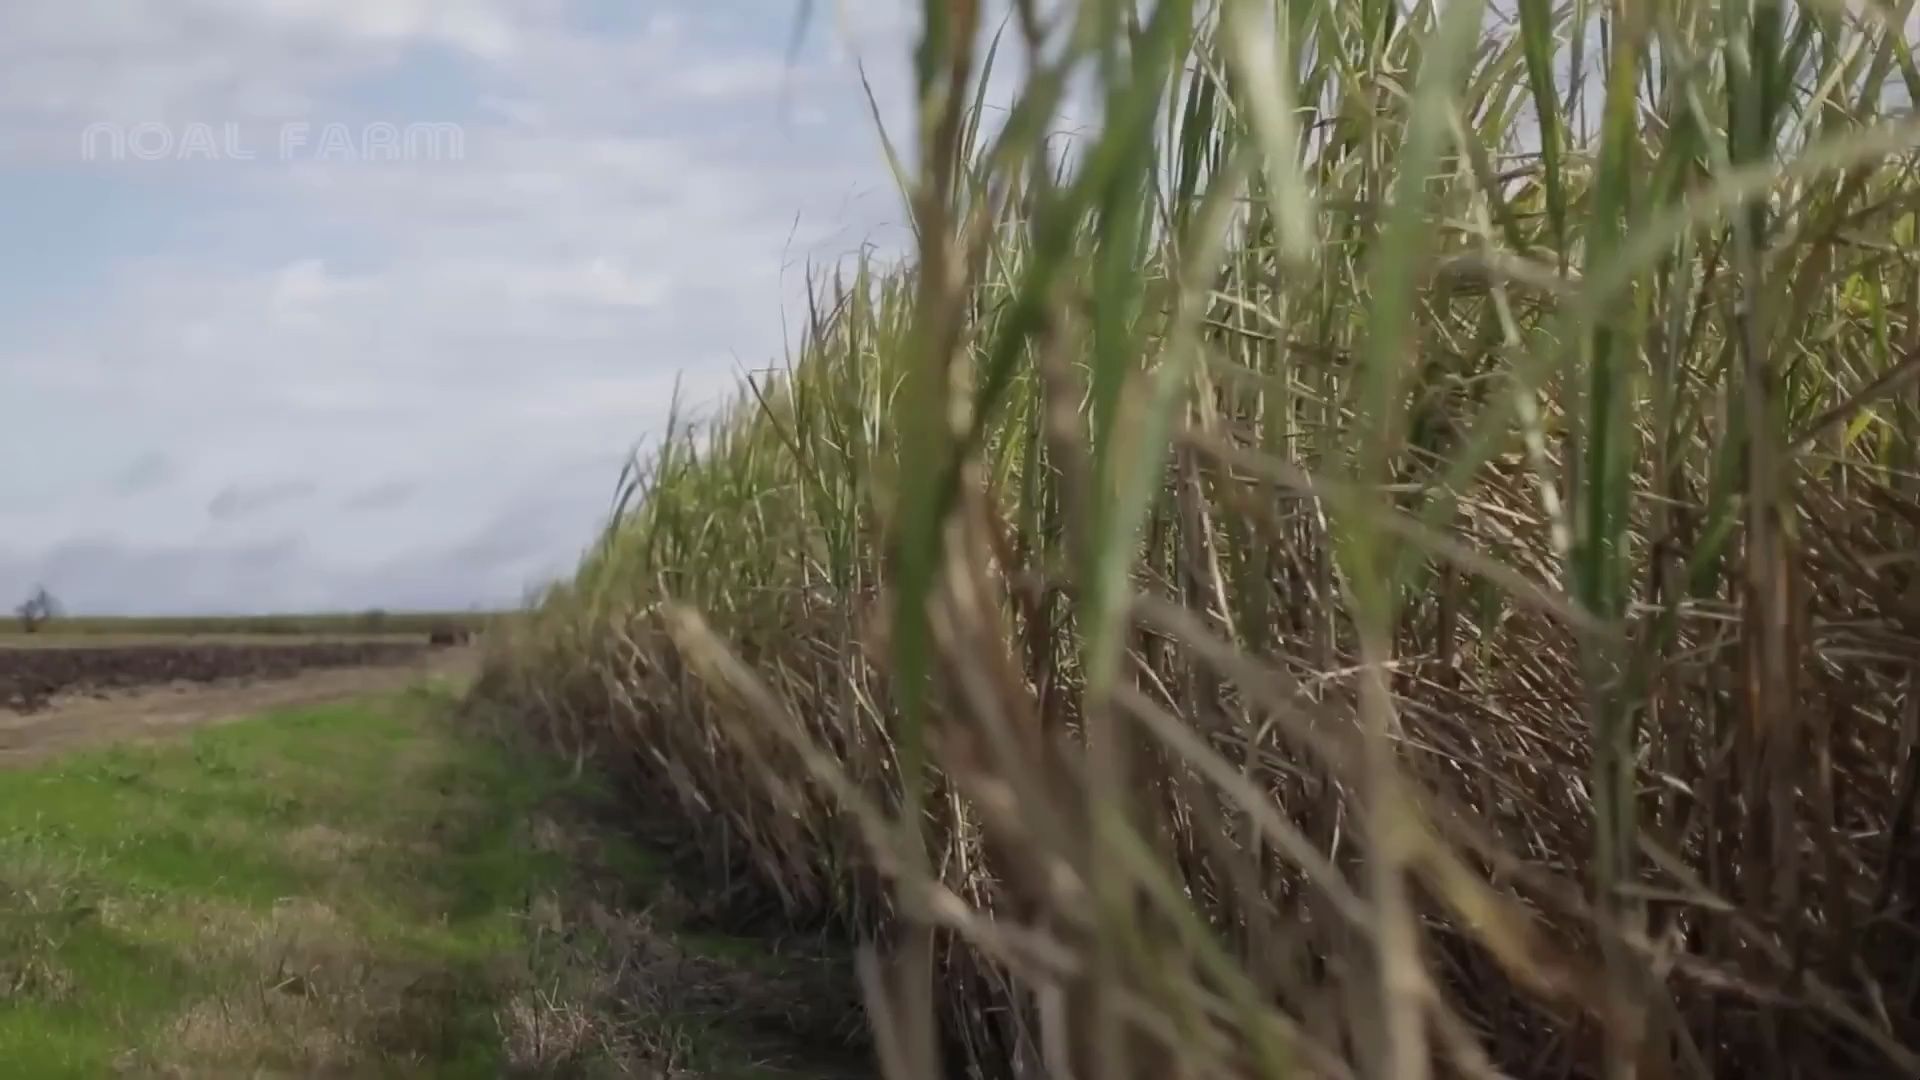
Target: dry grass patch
x=299, y=988
x=642, y=995
x=41, y=900
x=287, y=1034
x=324, y=846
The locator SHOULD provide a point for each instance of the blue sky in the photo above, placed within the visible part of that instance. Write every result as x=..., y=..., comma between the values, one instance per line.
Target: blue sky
x=296, y=382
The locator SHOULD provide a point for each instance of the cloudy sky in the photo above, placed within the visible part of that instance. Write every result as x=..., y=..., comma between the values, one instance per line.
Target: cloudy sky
x=257, y=353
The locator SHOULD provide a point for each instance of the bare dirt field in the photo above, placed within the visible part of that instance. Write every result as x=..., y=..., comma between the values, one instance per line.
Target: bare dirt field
x=33, y=678
x=79, y=697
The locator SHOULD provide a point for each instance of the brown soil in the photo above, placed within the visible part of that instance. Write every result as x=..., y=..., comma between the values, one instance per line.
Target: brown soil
x=195, y=690
x=30, y=679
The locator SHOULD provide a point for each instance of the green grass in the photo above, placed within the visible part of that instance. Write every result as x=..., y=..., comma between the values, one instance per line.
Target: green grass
x=360, y=887
x=125, y=867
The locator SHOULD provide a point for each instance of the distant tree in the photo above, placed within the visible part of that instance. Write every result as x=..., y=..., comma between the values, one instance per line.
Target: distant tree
x=374, y=621
x=37, y=610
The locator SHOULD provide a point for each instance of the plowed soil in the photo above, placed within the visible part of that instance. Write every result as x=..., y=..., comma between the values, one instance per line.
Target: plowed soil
x=241, y=685
x=32, y=678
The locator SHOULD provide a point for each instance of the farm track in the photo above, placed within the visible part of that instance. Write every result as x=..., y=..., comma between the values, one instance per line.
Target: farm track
x=194, y=687
x=31, y=679
x=158, y=711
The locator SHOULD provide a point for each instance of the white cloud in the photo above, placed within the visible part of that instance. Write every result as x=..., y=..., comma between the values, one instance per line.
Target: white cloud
x=482, y=28
x=348, y=384
x=740, y=78
x=138, y=60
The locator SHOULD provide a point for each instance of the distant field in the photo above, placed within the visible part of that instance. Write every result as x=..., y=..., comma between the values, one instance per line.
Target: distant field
x=316, y=625
x=31, y=677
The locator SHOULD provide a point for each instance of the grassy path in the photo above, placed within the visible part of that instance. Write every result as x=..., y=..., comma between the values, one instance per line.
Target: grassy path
x=354, y=889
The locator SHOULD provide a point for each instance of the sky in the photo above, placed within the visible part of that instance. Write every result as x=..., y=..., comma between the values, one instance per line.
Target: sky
x=342, y=304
